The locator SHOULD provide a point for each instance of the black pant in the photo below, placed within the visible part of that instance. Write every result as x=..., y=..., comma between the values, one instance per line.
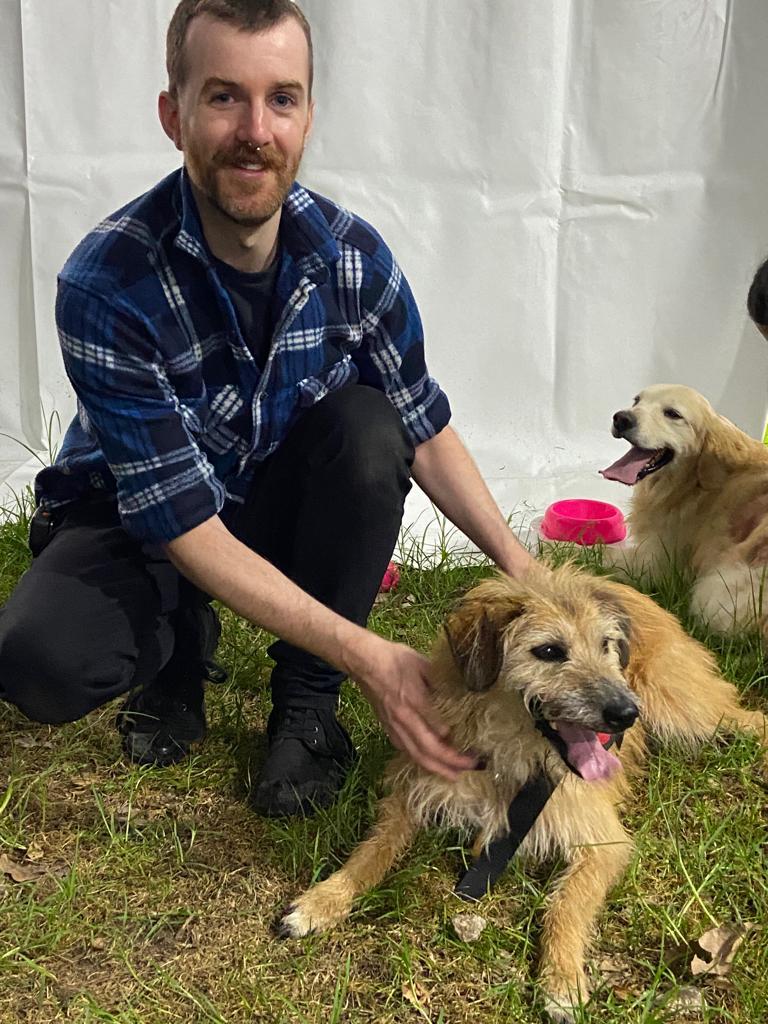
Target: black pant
x=96, y=615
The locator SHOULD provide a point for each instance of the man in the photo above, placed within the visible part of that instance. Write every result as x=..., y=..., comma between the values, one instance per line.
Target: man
x=757, y=299
x=253, y=400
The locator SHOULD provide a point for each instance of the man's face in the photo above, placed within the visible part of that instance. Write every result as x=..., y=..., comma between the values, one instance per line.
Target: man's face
x=243, y=90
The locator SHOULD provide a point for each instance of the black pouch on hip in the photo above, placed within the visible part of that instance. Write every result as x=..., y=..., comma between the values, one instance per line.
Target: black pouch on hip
x=41, y=528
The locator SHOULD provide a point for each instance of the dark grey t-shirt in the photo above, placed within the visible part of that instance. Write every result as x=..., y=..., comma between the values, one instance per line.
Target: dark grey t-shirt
x=252, y=296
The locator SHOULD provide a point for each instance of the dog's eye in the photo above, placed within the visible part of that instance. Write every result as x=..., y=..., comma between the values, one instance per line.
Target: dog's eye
x=606, y=644
x=550, y=652
x=636, y=399
x=672, y=414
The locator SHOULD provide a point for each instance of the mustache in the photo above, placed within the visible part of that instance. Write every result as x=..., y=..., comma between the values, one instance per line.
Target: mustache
x=267, y=159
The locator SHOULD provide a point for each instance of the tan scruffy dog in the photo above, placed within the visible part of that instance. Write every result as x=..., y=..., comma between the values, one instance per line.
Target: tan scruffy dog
x=572, y=655
x=700, y=499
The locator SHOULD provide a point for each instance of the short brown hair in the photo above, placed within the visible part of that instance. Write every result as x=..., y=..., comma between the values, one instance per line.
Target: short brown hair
x=250, y=15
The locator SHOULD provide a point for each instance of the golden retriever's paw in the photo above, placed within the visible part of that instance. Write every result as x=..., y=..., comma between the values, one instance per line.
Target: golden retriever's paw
x=316, y=911
x=728, y=599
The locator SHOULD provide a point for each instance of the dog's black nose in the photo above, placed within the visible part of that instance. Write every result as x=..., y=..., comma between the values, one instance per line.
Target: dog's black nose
x=619, y=713
x=623, y=421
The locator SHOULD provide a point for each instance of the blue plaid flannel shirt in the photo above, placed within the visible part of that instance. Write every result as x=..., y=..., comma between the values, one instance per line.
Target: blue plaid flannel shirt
x=173, y=412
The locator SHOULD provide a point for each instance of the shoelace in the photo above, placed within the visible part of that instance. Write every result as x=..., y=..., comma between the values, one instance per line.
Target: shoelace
x=301, y=723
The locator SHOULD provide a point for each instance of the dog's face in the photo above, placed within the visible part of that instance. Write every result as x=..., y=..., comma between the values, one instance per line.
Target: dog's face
x=664, y=424
x=562, y=644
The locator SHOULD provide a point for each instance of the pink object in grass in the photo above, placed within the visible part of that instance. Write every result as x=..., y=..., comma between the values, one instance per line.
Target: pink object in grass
x=584, y=521
x=391, y=579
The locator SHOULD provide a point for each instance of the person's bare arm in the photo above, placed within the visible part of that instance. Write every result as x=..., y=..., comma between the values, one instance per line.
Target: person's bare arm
x=446, y=472
x=394, y=677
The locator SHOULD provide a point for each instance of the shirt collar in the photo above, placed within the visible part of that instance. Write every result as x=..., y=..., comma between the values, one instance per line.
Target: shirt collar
x=304, y=232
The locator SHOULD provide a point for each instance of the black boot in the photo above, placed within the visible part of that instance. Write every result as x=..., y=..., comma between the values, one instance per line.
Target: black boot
x=161, y=722
x=310, y=754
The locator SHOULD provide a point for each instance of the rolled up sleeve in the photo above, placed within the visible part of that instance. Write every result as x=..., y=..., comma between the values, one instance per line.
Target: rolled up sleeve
x=391, y=356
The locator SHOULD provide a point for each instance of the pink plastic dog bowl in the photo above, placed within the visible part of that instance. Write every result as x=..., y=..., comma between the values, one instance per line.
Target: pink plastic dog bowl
x=583, y=521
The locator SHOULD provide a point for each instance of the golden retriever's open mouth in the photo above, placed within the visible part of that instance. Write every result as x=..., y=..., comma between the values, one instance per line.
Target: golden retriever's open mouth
x=584, y=751
x=637, y=464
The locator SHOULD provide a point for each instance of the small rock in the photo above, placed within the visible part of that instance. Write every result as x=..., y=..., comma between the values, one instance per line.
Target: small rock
x=469, y=927
x=687, y=1001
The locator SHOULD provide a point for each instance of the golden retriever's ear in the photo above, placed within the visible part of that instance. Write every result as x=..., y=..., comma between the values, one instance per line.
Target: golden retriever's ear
x=474, y=634
x=711, y=472
x=723, y=448
x=612, y=604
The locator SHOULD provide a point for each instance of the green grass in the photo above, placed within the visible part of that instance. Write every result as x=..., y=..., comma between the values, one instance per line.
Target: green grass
x=165, y=884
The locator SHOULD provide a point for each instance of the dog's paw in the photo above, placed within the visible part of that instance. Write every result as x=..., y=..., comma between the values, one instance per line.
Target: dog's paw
x=317, y=910
x=293, y=924
x=564, y=998
x=559, y=1012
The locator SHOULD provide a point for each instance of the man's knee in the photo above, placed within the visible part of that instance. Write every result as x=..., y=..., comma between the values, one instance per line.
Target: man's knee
x=369, y=433
x=51, y=680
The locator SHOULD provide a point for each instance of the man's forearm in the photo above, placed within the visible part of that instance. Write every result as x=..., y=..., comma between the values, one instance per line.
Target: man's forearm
x=393, y=677
x=216, y=561
x=448, y=475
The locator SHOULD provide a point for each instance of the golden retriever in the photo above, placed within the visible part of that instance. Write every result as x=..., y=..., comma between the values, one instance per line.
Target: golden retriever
x=700, y=501
x=527, y=674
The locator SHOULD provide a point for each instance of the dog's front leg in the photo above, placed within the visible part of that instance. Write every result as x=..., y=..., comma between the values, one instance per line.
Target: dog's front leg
x=330, y=902
x=646, y=561
x=570, y=917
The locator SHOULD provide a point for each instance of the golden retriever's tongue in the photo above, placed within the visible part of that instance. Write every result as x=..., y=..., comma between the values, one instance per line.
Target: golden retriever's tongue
x=586, y=753
x=628, y=466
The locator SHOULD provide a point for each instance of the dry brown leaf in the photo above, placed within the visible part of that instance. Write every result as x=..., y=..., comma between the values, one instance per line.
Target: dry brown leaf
x=20, y=872
x=30, y=872
x=30, y=742
x=612, y=968
x=614, y=972
x=126, y=814
x=34, y=852
x=718, y=947
x=85, y=780
x=416, y=994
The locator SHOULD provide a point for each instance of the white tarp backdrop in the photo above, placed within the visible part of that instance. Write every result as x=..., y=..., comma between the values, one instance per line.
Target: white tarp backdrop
x=576, y=190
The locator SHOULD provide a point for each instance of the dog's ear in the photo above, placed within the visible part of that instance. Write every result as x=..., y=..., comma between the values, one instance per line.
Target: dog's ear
x=711, y=471
x=723, y=447
x=474, y=634
x=619, y=612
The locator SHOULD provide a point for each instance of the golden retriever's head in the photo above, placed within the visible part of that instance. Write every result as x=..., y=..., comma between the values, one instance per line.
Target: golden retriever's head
x=666, y=423
x=561, y=642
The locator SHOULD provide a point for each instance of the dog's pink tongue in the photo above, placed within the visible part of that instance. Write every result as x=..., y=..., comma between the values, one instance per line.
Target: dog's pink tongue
x=628, y=466
x=587, y=754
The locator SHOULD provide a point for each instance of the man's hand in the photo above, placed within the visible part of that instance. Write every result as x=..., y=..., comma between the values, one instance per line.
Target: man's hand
x=396, y=682
x=393, y=677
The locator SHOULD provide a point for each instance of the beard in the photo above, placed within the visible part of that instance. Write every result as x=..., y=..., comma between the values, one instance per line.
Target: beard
x=248, y=203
